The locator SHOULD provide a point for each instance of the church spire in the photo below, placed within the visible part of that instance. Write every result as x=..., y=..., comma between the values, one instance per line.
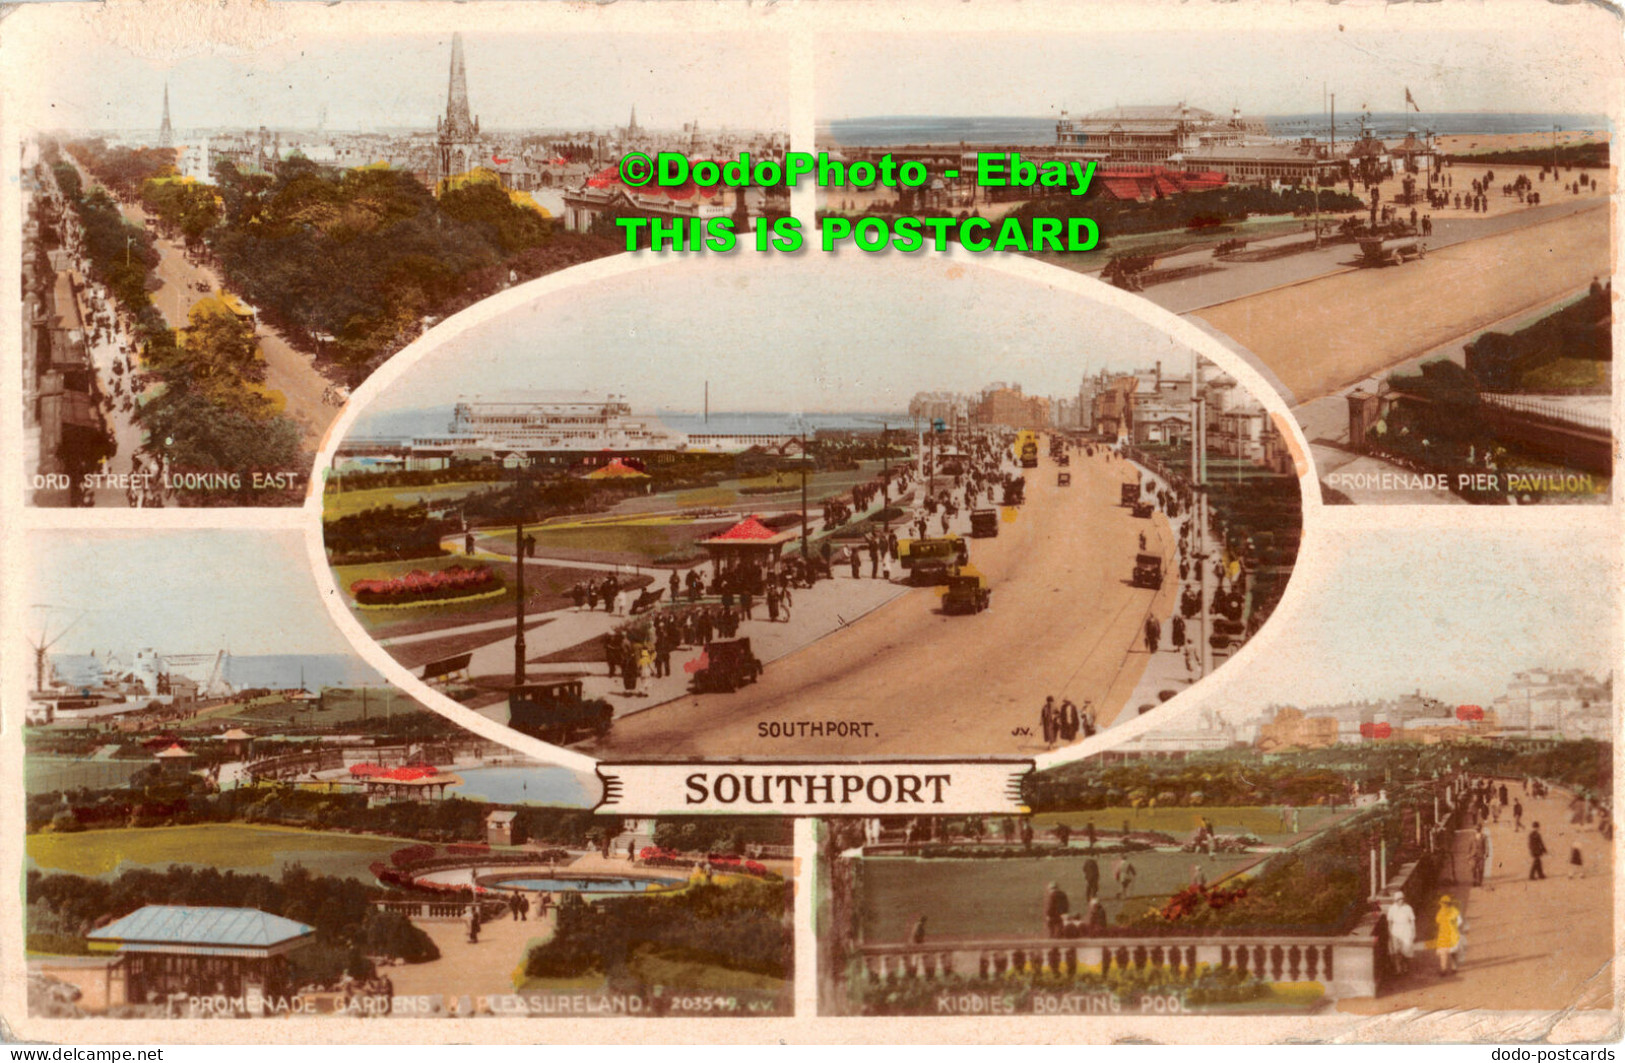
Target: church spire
x=166, y=135
x=632, y=123
x=459, y=124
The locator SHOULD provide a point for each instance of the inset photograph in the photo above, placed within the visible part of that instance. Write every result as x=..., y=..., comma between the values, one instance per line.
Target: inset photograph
x=879, y=506
x=229, y=815
x=1414, y=250
x=218, y=249
x=1407, y=805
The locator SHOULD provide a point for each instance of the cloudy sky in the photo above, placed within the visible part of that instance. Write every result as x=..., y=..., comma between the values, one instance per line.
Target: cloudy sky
x=515, y=80
x=791, y=334
x=1447, y=58
x=179, y=592
x=1452, y=613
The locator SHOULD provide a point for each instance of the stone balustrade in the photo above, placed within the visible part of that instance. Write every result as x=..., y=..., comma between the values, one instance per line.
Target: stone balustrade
x=1344, y=965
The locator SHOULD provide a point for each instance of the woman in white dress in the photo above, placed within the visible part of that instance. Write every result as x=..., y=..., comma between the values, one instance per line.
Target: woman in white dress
x=1401, y=933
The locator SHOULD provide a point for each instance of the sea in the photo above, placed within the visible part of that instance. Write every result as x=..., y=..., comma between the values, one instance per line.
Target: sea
x=273, y=671
x=1017, y=131
x=402, y=425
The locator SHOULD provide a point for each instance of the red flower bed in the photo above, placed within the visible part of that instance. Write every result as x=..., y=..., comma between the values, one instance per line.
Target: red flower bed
x=420, y=586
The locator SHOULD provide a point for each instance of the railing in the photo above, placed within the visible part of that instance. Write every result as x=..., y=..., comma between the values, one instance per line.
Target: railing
x=441, y=910
x=1345, y=965
x=293, y=764
x=1548, y=410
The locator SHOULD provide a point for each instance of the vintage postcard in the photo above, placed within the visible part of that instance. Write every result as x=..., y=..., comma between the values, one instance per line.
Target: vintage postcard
x=883, y=522
x=231, y=816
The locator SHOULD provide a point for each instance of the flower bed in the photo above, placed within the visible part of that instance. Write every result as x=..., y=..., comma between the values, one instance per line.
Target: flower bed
x=419, y=586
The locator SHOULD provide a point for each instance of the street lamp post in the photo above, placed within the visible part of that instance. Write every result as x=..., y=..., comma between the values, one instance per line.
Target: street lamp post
x=519, y=559
x=804, y=530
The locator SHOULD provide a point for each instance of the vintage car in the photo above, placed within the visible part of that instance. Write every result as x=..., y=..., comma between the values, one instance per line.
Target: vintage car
x=1142, y=509
x=1378, y=252
x=984, y=523
x=1015, y=491
x=1129, y=494
x=967, y=592
x=725, y=666
x=949, y=549
x=556, y=712
x=1148, y=571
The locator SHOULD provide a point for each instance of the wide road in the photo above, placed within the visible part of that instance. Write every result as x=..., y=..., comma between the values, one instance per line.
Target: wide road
x=1324, y=335
x=286, y=370
x=1064, y=621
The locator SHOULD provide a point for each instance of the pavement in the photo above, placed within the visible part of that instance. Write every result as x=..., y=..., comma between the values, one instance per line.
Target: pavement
x=1064, y=621
x=1531, y=945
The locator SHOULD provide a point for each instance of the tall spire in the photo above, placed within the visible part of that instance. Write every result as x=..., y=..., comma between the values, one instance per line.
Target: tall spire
x=458, y=121
x=632, y=124
x=166, y=135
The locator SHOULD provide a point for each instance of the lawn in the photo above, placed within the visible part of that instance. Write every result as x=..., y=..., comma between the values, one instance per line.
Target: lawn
x=991, y=898
x=1566, y=373
x=628, y=541
x=348, y=503
x=1264, y=821
x=336, y=708
x=47, y=774
x=226, y=846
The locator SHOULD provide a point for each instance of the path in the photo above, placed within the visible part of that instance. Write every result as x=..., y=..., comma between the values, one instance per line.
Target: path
x=485, y=968
x=1531, y=946
x=1064, y=621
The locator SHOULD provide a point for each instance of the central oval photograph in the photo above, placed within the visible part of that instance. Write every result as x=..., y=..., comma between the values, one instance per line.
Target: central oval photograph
x=810, y=506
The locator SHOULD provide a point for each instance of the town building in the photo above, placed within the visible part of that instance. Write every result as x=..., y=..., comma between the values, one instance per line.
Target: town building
x=1149, y=134
x=1005, y=405
x=1277, y=162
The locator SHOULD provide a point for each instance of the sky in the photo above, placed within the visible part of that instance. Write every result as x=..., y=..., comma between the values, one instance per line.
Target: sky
x=557, y=81
x=1459, y=67
x=1450, y=613
x=790, y=334
x=179, y=592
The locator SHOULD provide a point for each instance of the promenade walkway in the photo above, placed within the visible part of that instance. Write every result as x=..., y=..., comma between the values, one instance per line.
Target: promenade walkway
x=1531, y=946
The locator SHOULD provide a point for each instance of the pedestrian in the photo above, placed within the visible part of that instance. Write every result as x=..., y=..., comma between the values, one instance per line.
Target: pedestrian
x=675, y=585
x=916, y=936
x=1481, y=850
x=1125, y=877
x=1517, y=814
x=1447, y=943
x=524, y=908
x=1047, y=721
x=1537, y=850
x=468, y=544
x=1198, y=876
x=1577, y=867
x=1089, y=829
x=1091, y=879
x=1153, y=633
x=1068, y=724
x=1056, y=906
x=856, y=561
x=1401, y=933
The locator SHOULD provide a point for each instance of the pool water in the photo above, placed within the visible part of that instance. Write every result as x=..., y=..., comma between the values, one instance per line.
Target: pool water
x=586, y=885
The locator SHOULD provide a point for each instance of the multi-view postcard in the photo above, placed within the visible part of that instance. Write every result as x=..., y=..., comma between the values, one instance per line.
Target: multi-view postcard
x=883, y=522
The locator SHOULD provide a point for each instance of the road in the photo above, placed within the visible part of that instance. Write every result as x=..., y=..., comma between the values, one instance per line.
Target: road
x=286, y=370
x=1064, y=621
x=1323, y=335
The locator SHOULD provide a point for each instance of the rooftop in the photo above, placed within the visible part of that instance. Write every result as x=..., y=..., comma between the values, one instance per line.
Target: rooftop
x=183, y=925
